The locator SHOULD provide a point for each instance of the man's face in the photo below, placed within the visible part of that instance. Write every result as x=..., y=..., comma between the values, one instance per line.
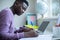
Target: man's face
x=20, y=8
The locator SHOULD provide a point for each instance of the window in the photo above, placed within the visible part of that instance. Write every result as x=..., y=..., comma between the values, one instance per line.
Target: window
x=42, y=8
x=55, y=7
x=48, y=8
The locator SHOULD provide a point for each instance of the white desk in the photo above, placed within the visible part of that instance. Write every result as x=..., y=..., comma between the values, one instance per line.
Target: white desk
x=46, y=36
x=40, y=37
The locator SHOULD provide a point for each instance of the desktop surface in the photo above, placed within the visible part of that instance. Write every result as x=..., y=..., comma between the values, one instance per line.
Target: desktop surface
x=46, y=36
x=40, y=37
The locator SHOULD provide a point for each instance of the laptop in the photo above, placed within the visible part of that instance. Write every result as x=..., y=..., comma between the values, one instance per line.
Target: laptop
x=42, y=27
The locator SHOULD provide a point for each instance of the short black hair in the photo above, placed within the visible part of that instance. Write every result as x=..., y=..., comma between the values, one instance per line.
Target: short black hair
x=24, y=1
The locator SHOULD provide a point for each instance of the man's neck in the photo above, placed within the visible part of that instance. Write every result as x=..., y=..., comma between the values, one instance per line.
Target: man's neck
x=12, y=9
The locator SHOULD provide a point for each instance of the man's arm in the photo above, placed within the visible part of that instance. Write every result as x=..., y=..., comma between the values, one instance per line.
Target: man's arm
x=4, y=27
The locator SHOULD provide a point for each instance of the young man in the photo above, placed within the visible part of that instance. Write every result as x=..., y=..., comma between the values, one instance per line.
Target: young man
x=6, y=22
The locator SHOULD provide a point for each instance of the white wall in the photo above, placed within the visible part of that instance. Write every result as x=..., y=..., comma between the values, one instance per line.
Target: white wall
x=5, y=3
x=32, y=4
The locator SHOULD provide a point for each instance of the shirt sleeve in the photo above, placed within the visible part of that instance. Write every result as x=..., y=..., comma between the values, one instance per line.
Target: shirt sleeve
x=5, y=20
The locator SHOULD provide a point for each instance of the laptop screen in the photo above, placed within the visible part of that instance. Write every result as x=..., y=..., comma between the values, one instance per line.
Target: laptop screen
x=43, y=26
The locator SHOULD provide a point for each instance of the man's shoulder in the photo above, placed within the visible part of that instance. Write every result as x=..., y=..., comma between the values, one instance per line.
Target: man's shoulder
x=6, y=11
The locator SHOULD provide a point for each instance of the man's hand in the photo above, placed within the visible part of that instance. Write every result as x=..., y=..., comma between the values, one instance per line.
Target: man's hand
x=28, y=32
x=31, y=33
x=23, y=29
